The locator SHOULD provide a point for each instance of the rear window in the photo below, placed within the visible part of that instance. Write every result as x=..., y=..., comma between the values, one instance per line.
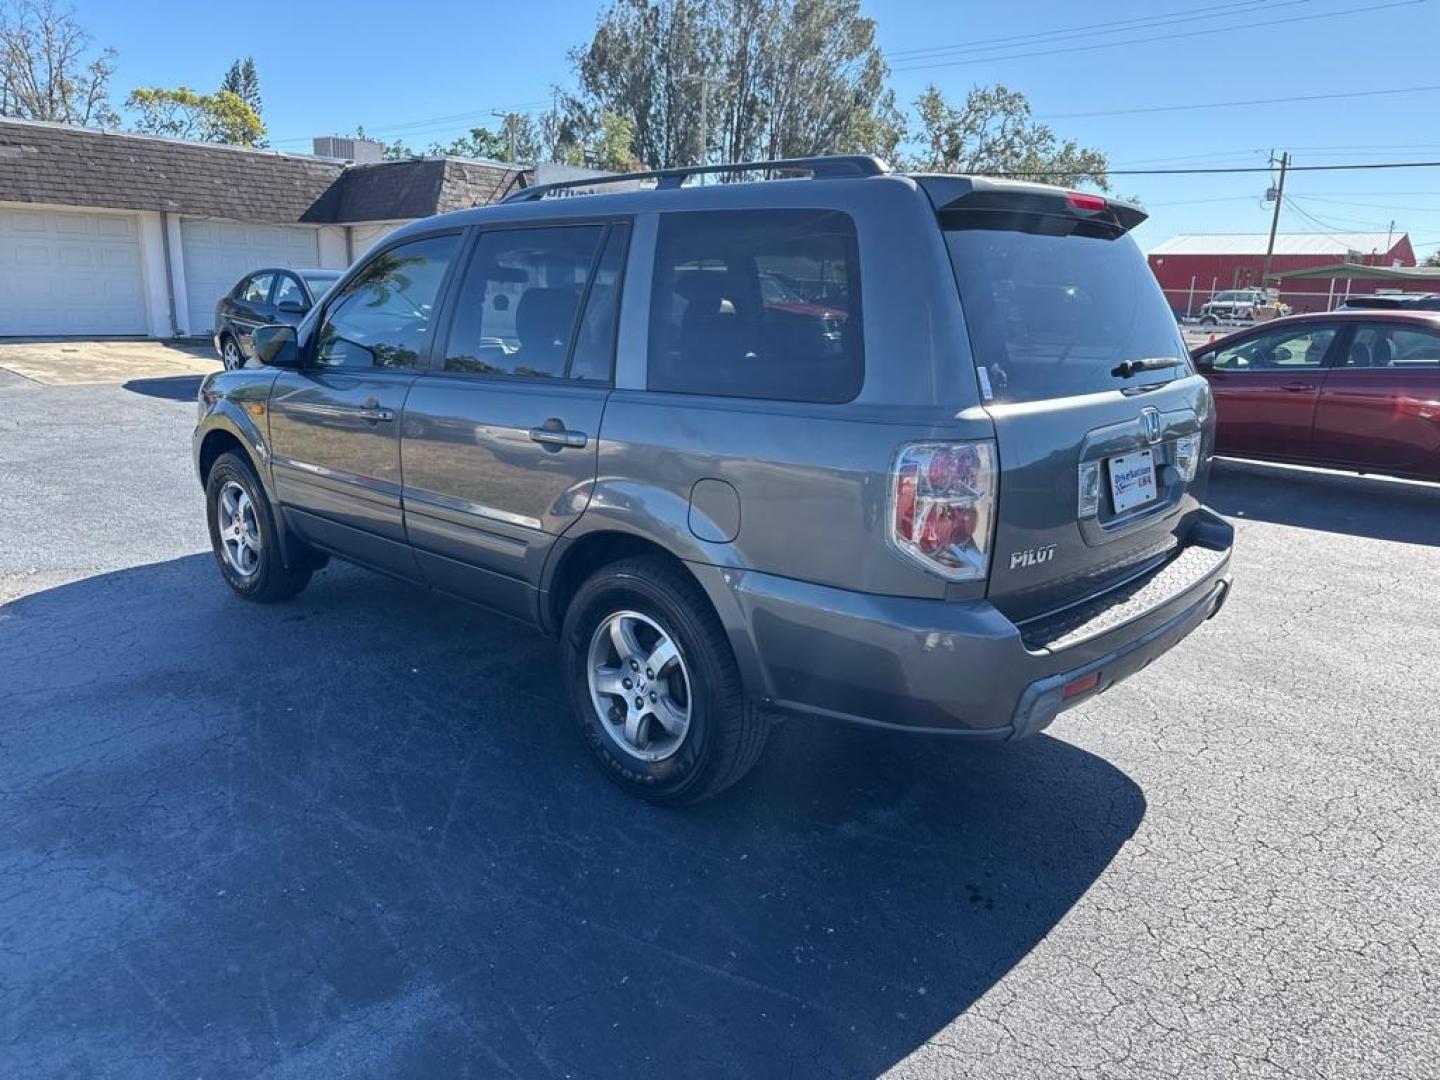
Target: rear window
x=1053, y=312
x=757, y=304
x=320, y=283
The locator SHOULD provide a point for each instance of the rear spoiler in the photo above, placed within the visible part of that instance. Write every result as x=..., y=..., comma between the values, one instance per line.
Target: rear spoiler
x=955, y=197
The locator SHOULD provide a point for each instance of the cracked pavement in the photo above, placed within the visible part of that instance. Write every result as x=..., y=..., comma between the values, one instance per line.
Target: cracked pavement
x=350, y=836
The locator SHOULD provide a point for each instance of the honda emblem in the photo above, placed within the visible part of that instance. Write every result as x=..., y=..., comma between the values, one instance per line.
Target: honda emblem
x=1151, y=425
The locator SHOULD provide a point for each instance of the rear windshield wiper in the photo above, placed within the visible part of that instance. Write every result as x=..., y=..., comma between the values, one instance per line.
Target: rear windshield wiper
x=1152, y=363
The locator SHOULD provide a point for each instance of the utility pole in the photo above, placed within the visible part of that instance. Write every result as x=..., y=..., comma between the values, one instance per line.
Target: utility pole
x=705, y=82
x=510, y=127
x=704, y=121
x=1275, y=220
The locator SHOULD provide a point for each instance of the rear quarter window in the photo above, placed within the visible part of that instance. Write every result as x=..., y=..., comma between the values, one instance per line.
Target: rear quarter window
x=757, y=304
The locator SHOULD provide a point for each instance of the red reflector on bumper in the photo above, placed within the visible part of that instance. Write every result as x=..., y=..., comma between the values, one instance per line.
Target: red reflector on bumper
x=1079, y=686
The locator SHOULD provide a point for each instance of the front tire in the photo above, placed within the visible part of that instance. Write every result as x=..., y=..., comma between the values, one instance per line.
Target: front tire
x=243, y=535
x=654, y=684
x=230, y=354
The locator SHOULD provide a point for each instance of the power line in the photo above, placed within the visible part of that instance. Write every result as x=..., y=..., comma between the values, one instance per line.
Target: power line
x=1197, y=202
x=1088, y=30
x=1370, y=205
x=465, y=116
x=433, y=123
x=1195, y=157
x=1397, y=194
x=1375, y=146
x=1161, y=37
x=1322, y=151
x=1244, y=102
x=1336, y=223
x=1327, y=228
x=1230, y=169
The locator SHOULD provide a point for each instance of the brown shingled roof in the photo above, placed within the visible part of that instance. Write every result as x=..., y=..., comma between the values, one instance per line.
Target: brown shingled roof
x=71, y=166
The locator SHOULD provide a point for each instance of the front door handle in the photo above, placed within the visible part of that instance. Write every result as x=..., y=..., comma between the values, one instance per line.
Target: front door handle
x=385, y=415
x=1297, y=387
x=552, y=434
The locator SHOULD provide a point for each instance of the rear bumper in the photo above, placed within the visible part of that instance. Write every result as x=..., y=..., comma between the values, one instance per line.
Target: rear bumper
x=959, y=668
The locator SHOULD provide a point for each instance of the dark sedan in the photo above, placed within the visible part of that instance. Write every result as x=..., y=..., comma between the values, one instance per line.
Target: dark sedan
x=272, y=295
x=1345, y=389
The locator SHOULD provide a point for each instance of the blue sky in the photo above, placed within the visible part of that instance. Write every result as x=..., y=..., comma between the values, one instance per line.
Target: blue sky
x=428, y=70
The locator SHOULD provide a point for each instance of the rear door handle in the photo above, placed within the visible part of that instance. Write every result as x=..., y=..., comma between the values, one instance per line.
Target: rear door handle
x=1297, y=387
x=385, y=415
x=558, y=437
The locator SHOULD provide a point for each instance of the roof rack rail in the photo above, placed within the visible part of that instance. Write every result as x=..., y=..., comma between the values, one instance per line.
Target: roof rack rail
x=819, y=168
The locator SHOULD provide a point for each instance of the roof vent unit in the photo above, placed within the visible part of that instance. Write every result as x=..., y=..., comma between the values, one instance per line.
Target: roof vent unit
x=356, y=151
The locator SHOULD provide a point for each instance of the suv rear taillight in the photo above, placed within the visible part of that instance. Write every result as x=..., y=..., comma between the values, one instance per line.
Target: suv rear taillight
x=1187, y=456
x=942, y=507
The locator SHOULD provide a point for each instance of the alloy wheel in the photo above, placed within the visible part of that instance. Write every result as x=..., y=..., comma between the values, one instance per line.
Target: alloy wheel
x=639, y=685
x=239, y=529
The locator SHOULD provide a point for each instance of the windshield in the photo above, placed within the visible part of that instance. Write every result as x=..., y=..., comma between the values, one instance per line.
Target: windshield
x=1053, y=313
x=320, y=284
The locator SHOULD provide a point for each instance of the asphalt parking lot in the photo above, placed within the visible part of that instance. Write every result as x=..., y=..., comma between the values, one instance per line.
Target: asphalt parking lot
x=354, y=835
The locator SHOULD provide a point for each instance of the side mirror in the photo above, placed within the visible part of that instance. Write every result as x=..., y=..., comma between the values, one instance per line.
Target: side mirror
x=1202, y=363
x=276, y=346
x=293, y=307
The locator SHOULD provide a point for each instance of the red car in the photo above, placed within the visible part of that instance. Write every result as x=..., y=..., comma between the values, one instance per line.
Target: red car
x=1348, y=389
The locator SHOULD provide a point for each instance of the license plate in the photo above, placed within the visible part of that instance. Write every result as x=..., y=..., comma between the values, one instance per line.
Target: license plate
x=1132, y=480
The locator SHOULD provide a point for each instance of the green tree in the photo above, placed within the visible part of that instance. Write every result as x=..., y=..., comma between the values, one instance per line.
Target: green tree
x=994, y=132
x=44, y=70
x=615, y=148
x=561, y=131
x=737, y=79
x=517, y=132
x=243, y=81
x=182, y=113
x=481, y=142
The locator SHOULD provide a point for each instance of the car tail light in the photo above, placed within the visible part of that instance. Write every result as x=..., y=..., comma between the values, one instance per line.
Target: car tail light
x=1083, y=200
x=942, y=507
x=1089, y=504
x=1187, y=456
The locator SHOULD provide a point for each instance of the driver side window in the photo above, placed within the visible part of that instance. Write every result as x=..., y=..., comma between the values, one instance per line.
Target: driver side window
x=385, y=316
x=287, y=290
x=1280, y=350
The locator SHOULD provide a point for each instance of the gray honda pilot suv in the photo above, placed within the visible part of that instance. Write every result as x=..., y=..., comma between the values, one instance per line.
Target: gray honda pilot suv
x=923, y=453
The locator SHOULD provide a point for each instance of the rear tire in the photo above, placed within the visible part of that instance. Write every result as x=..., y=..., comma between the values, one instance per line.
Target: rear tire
x=661, y=610
x=243, y=535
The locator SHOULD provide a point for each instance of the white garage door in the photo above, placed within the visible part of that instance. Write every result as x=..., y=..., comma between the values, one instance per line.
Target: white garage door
x=219, y=253
x=68, y=272
x=365, y=236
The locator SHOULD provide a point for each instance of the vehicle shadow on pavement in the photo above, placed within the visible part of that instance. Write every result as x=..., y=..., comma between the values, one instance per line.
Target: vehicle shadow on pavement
x=170, y=388
x=1374, y=507
x=356, y=834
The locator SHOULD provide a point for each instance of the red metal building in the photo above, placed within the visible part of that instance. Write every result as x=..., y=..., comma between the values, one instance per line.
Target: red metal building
x=1192, y=267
